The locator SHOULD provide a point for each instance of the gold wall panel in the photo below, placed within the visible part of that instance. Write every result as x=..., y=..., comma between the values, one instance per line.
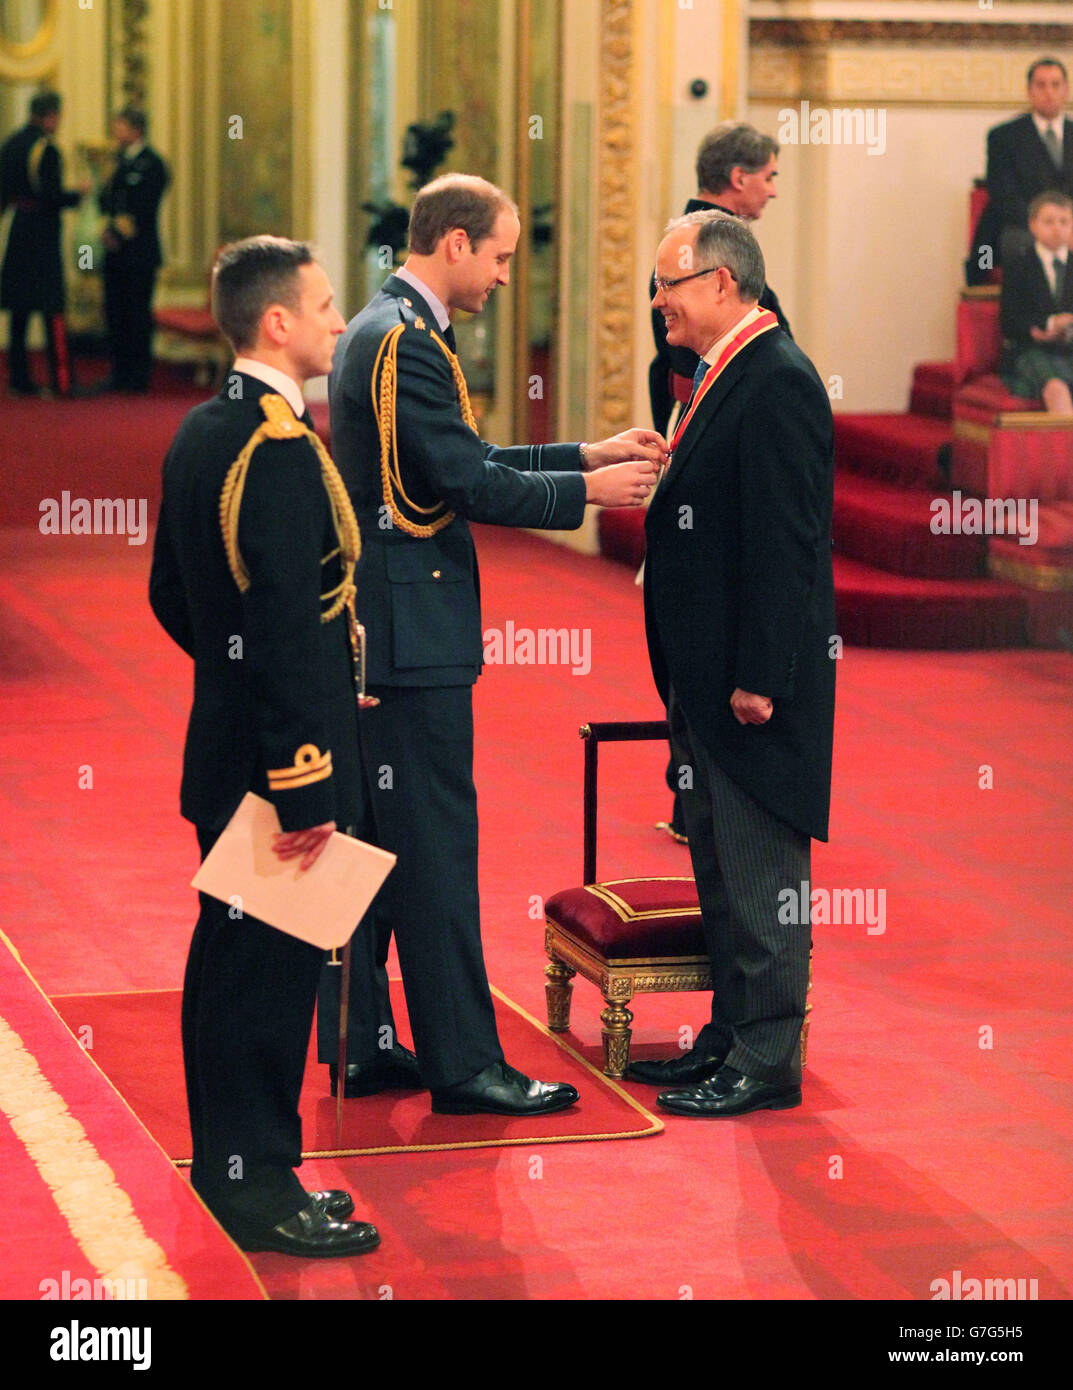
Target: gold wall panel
x=890, y=74
x=256, y=189
x=617, y=178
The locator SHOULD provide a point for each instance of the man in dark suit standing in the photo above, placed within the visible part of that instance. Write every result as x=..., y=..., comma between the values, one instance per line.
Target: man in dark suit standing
x=130, y=200
x=252, y=576
x=739, y=610
x=736, y=173
x=31, y=279
x=1025, y=157
x=407, y=445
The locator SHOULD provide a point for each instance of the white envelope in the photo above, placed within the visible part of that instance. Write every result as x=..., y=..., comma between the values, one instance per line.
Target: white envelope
x=321, y=905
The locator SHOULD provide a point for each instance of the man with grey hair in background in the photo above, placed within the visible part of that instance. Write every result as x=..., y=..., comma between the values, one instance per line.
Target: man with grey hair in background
x=736, y=173
x=739, y=612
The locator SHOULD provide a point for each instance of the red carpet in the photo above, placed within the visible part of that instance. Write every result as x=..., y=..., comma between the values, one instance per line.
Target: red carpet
x=939, y=1057
x=92, y=1207
x=139, y=1049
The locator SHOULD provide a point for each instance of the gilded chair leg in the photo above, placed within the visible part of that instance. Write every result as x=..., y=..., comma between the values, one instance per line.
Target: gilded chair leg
x=558, y=989
x=808, y=1010
x=616, y=1019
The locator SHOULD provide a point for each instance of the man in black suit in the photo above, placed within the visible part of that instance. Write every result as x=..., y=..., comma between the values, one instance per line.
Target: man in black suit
x=1025, y=157
x=407, y=444
x=736, y=173
x=31, y=279
x=739, y=610
x=252, y=572
x=131, y=200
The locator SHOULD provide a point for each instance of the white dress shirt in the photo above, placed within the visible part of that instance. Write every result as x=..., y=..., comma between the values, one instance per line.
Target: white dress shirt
x=279, y=381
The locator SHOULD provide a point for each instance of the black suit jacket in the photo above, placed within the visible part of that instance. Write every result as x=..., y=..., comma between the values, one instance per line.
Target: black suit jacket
x=135, y=190
x=738, y=583
x=684, y=360
x=1018, y=168
x=419, y=598
x=1027, y=301
x=271, y=682
x=31, y=178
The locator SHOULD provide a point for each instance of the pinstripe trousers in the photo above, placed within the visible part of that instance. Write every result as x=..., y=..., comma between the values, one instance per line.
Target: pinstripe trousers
x=743, y=856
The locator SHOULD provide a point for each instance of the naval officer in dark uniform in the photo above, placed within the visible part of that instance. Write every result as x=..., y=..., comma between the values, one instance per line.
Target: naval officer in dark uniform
x=31, y=279
x=131, y=200
x=407, y=445
x=253, y=577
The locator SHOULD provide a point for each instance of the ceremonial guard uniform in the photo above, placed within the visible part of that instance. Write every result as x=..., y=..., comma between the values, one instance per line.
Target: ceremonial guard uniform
x=407, y=446
x=252, y=576
x=31, y=280
x=131, y=199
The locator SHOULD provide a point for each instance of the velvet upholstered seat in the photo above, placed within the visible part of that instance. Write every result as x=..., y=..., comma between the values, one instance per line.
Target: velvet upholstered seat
x=627, y=936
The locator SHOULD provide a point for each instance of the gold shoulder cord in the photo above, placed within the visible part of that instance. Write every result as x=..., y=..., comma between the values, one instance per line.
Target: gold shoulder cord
x=384, y=397
x=33, y=162
x=280, y=423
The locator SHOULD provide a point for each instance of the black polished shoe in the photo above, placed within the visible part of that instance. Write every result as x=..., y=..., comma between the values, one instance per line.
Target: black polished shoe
x=334, y=1203
x=395, y=1070
x=311, y=1233
x=682, y=1070
x=729, y=1093
x=502, y=1090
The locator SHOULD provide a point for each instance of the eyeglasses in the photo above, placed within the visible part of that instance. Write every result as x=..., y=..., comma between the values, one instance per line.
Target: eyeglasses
x=662, y=284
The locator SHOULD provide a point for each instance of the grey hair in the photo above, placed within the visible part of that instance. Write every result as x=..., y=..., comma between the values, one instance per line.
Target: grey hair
x=732, y=145
x=723, y=240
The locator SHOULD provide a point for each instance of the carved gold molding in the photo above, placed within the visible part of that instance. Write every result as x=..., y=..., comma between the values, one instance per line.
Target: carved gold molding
x=813, y=33
x=132, y=55
x=892, y=76
x=617, y=183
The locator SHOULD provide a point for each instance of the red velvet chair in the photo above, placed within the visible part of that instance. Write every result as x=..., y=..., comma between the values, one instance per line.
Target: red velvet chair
x=628, y=935
x=1004, y=445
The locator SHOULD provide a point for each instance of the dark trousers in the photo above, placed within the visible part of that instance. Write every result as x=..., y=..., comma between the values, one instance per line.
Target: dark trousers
x=247, y=1014
x=743, y=857
x=417, y=756
x=55, y=347
x=128, y=311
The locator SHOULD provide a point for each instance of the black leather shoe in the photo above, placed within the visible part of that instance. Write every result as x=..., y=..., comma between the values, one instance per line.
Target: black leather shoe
x=729, y=1093
x=682, y=1070
x=312, y=1233
x=502, y=1090
x=334, y=1203
x=395, y=1070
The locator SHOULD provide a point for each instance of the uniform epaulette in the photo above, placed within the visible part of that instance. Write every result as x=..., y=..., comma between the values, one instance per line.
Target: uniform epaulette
x=281, y=423
x=384, y=388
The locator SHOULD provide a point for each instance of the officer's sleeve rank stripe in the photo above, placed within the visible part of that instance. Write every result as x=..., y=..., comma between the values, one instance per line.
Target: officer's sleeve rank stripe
x=310, y=765
x=549, y=509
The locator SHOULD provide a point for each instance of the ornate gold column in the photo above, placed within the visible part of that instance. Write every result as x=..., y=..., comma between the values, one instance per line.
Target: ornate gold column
x=617, y=182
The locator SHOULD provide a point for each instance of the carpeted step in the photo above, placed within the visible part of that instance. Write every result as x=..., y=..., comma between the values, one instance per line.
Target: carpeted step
x=890, y=527
x=878, y=609
x=932, y=390
x=899, y=449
